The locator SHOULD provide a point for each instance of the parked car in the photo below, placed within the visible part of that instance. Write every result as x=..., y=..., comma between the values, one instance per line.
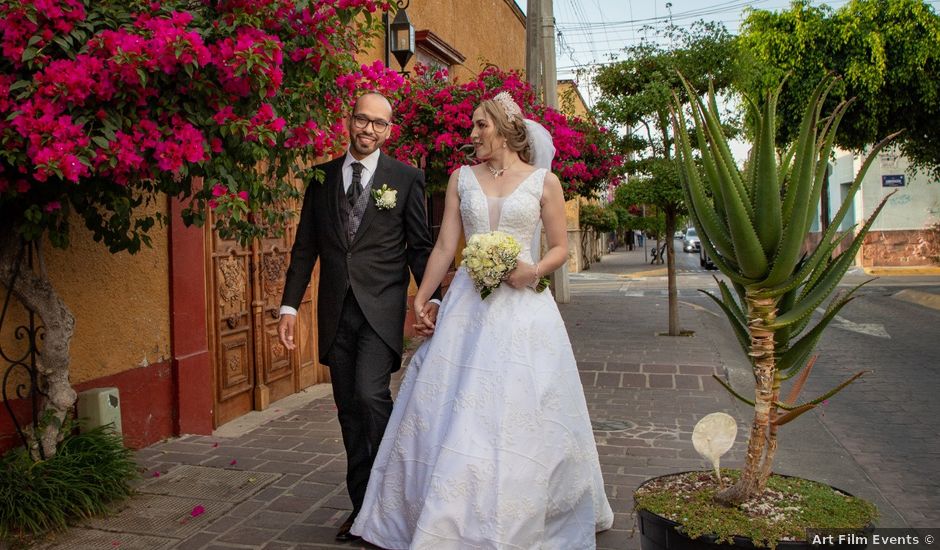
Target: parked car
x=704, y=259
x=679, y=235
x=691, y=243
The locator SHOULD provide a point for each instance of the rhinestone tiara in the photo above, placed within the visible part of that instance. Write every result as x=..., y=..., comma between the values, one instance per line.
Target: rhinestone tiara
x=509, y=105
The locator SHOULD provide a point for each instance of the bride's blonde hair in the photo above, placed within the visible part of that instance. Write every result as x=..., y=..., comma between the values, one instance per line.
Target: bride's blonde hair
x=512, y=129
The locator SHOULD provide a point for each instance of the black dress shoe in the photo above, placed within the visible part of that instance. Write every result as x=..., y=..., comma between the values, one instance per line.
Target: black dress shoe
x=343, y=535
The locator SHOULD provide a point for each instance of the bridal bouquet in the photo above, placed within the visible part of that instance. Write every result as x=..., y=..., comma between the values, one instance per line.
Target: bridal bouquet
x=489, y=257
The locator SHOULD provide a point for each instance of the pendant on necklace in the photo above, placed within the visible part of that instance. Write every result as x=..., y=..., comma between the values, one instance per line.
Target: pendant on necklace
x=496, y=173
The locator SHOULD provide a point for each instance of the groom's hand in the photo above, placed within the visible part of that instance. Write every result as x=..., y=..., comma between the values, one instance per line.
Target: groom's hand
x=285, y=330
x=426, y=317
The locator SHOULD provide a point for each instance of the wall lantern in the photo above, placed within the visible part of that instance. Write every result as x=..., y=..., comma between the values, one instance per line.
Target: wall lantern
x=400, y=36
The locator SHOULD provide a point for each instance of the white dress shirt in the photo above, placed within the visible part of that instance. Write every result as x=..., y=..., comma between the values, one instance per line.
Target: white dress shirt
x=369, y=166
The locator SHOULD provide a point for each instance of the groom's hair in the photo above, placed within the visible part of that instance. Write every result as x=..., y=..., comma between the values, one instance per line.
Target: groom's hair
x=373, y=93
x=513, y=130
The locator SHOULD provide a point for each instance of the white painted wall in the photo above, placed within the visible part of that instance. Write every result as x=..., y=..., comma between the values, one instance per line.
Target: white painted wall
x=914, y=206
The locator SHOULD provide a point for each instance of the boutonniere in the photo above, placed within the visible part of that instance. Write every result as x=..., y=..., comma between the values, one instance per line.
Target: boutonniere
x=384, y=197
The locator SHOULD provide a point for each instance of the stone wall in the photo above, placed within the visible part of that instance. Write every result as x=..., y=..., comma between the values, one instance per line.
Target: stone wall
x=901, y=248
x=898, y=248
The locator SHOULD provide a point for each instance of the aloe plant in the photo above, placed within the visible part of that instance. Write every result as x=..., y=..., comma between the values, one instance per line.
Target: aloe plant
x=753, y=223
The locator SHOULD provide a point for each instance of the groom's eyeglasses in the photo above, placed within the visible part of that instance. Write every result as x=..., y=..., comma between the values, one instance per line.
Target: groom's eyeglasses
x=378, y=125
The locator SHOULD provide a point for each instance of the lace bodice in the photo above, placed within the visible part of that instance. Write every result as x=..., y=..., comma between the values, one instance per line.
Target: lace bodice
x=517, y=214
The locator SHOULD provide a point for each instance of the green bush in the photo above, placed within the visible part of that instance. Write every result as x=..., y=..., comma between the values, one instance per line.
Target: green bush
x=601, y=218
x=89, y=471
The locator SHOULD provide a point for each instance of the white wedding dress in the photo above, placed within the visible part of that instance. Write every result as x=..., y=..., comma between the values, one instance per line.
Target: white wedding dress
x=489, y=444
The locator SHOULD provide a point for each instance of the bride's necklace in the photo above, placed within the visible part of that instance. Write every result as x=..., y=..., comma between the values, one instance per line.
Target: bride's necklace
x=497, y=172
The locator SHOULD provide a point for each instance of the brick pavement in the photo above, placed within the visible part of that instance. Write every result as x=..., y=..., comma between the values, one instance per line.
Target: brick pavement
x=280, y=484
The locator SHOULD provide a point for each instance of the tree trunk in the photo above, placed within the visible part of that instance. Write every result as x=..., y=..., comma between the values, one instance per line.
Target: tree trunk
x=585, y=253
x=767, y=467
x=674, y=329
x=760, y=311
x=35, y=291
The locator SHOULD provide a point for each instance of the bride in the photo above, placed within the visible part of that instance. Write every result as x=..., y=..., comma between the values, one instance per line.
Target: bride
x=489, y=444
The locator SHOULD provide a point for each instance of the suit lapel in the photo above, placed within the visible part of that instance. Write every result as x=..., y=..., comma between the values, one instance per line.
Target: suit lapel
x=381, y=176
x=336, y=211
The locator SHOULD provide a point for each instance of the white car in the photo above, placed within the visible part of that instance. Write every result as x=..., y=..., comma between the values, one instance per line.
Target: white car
x=691, y=242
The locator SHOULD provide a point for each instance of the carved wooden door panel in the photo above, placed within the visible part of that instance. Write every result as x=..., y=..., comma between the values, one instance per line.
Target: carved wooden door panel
x=230, y=327
x=252, y=368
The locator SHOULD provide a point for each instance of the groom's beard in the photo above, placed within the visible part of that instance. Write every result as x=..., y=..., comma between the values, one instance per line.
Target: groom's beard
x=366, y=146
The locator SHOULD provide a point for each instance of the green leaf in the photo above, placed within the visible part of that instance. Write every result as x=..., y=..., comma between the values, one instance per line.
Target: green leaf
x=740, y=330
x=794, y=358
x=797, y=205
x=815, y=295
x=766, y=186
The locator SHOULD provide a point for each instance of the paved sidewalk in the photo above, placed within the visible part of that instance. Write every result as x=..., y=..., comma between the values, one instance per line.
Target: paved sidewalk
x=275, y=480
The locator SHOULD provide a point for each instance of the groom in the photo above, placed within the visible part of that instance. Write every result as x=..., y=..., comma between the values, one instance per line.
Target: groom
x=366, y=236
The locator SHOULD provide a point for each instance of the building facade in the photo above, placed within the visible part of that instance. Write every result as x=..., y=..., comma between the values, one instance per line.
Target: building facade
x=907, y=232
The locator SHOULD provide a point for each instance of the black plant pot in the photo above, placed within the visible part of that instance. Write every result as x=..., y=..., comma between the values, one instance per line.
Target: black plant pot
x=659, y=533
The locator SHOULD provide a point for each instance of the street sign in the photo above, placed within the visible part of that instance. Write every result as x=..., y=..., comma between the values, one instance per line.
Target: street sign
x=892, y=181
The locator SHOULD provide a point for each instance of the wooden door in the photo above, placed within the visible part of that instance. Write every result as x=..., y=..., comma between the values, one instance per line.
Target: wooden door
x=251, y=367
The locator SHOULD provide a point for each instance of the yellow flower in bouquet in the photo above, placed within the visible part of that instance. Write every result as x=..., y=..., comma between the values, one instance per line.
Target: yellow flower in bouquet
x=489, y=257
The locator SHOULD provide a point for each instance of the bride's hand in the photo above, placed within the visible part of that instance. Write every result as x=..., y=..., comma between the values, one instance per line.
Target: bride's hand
x=524, y=275
x=425, y=316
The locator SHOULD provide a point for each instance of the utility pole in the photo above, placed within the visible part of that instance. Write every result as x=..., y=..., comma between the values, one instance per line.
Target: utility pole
x=550, y=98
x=533, y=42
x=549, y=74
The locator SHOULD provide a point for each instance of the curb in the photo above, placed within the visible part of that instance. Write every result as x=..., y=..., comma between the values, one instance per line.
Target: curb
x=640, y=274
x=903, y=270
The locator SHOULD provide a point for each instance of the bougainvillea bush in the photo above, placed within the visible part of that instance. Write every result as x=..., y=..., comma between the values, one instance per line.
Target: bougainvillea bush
x=434, y=124
x=104, y=103
x=107, y=106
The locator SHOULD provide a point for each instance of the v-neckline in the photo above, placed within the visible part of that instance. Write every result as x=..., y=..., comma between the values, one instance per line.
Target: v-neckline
x=511, y=193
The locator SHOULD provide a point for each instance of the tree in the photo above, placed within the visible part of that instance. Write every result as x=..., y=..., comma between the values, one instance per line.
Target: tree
x=636, y=94
x=598, y=218
x=886, y=54
x=753, y=223
x=106, y=106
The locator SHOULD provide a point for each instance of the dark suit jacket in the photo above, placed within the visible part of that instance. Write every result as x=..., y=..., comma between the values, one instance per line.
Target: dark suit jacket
x=375, y=264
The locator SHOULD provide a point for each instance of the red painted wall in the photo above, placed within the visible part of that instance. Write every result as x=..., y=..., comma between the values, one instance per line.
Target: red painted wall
x=146, y=400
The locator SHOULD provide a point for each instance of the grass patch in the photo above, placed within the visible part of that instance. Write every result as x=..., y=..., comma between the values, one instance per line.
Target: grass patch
x=89, y=471
x=787, y=508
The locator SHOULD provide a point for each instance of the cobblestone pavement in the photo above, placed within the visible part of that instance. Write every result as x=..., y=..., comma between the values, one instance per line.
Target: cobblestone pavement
x=275, y=480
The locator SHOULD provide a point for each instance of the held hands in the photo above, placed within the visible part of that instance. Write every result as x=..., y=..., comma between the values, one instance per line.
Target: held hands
x=285, y=331
x=425, y=316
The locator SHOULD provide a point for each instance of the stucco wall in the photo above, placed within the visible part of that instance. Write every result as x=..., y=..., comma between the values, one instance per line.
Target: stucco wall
x=483, y=31
x=570, y=100
x=915, y=206
x=120, y=303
